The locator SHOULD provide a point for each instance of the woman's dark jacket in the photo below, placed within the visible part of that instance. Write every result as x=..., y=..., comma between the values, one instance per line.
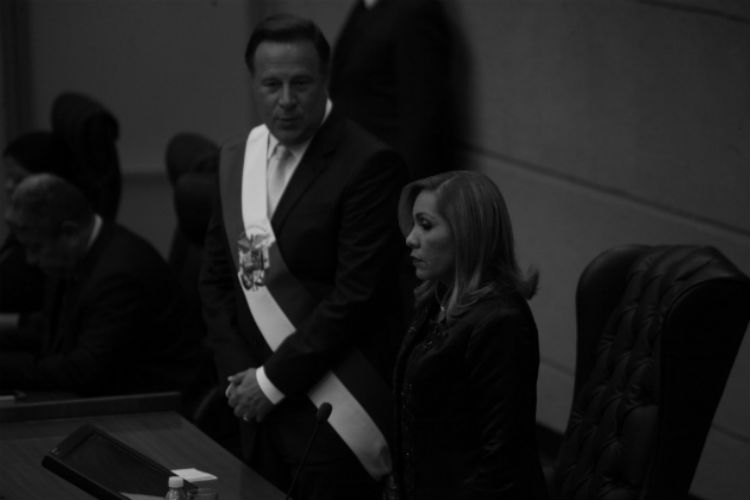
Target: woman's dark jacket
x=466, y=404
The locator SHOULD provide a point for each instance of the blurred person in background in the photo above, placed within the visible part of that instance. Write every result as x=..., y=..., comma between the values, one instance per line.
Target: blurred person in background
x=112, y=320
x=21, y=285
x=394, y=72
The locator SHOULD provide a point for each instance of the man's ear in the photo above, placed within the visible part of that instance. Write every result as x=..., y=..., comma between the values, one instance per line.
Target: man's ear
x=71, y=230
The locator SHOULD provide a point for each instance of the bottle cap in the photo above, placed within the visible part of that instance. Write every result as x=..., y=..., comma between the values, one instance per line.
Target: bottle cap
x=175, y=482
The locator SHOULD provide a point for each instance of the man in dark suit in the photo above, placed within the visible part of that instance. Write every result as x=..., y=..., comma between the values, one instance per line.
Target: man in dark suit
x=113, y=312
x=394, y=72
x=297, y=284
x=22, y=285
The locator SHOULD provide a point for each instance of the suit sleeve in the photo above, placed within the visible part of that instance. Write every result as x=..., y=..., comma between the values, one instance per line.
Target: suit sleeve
x=367, y=251
x=502, y=370
x=21, y=285
x=104, y=336
x=218, y=298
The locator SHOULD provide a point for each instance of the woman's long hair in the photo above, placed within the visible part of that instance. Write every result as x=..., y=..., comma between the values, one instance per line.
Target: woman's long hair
x=482, y=237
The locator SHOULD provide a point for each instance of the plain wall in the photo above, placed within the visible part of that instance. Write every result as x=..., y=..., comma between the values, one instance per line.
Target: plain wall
x=602, y=122
x=161, y=67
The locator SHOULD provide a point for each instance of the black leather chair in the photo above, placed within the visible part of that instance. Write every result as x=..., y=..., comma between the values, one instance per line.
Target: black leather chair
x=91, y=131
x=192, y=196
x=192, y=162
x=658, y=331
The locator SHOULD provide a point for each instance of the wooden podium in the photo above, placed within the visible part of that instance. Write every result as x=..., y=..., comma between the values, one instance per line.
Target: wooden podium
x=147, y=423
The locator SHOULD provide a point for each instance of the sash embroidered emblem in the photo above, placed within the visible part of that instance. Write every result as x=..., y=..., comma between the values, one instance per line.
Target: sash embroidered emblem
x=253, y=256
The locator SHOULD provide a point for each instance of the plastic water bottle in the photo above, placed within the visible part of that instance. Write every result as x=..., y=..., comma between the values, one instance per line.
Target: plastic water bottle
x=176, y=489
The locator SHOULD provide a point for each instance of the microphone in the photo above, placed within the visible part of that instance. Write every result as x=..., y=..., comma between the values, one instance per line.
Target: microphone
x=324, y=411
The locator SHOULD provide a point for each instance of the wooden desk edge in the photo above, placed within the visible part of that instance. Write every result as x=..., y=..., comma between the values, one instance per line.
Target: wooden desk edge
x=89, y=407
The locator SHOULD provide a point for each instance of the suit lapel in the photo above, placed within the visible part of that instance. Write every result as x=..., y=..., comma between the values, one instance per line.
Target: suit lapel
x=413, y=332
x=312, y=164
x=71, y=290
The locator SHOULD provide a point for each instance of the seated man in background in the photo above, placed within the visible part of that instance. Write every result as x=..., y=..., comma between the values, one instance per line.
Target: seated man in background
x=112, y=317
x=21, y=285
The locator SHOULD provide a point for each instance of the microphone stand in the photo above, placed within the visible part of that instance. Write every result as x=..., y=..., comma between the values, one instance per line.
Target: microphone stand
x=324, y=411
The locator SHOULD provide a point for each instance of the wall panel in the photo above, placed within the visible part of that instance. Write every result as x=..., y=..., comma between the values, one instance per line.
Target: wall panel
x=627, y=96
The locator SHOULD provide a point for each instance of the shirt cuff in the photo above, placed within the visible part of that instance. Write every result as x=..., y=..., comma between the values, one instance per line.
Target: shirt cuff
x=270, y=390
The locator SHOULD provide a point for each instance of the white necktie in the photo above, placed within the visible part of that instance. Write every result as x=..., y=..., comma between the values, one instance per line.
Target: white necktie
x=277, y=170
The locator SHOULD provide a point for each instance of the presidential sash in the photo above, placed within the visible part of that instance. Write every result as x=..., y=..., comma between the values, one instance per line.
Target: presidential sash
x=278, y=302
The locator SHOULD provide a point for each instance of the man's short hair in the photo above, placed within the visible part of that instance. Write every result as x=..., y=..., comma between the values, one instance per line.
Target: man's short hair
x=48, y=200
x=288, y=28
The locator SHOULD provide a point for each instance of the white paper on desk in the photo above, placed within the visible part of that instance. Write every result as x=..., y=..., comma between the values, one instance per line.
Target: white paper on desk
x=194, y=475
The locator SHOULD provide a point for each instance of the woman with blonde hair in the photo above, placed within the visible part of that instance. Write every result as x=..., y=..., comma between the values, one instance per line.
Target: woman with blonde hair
x=465, y=378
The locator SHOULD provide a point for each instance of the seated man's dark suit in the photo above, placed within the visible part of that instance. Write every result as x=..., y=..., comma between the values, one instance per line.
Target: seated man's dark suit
x=115, y=326
x=21, y=285
x=335, y=227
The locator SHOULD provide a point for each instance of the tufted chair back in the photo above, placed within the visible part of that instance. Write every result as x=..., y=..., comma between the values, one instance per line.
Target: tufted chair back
x=192, y=161
x=658, y=331
x=193, y=195
x=91, y=131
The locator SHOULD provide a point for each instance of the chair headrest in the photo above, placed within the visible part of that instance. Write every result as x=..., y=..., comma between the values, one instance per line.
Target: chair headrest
x=189, y=152
x=78, y=119
x=40, y=151
x=193, y=196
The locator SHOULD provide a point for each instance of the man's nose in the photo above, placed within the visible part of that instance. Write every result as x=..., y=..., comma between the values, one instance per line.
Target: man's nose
x=287, y=97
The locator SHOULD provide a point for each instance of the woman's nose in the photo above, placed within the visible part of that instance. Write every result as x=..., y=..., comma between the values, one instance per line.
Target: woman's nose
x=411, y=240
